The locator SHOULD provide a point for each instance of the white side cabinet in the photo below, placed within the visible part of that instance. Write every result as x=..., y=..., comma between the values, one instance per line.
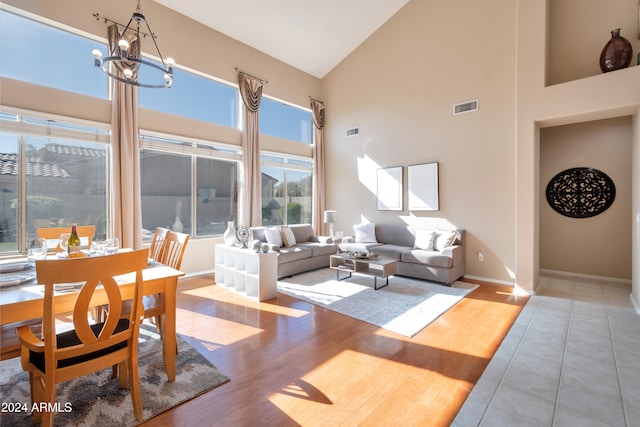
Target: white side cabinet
x=254, y=274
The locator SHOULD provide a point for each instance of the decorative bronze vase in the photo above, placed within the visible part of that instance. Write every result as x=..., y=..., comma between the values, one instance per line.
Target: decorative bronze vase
x=616, y=53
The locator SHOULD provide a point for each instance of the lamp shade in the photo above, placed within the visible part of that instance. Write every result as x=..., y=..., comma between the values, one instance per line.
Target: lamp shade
x=330, y=216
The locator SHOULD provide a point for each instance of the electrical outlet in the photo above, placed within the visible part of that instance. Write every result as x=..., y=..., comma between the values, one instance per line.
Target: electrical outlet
x=480, y=256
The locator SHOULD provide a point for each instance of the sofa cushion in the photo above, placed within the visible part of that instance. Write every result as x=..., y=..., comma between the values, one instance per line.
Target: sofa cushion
x=302, y=232
x=273, y=236
x=400, y=235
x=424, y=239
x=288, y=238
x=365, y=233
x=293, y=254
x=259, y=233
x=390, y=251
x=319, y=249
x=430, y=258
x=444, y=238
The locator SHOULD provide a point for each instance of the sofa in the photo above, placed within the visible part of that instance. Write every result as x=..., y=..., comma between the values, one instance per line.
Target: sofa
x=436, y=255
x=305, y=252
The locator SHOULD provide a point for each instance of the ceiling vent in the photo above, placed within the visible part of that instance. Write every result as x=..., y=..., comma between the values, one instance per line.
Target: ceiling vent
x=465, y=107
x=353, y=131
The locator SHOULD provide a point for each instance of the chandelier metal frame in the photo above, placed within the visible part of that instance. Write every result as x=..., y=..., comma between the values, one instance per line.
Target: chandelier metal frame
x=125, y=60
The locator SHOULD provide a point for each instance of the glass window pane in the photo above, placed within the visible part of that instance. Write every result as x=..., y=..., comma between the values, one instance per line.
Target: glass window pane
x=48, y=56
x=272, y=196
x=195, y=97
x=166, y=192
x=66, y=183
x=216, y=181
x=299, y=193
x=285, y=121
x=286, y=194
x=8, y=192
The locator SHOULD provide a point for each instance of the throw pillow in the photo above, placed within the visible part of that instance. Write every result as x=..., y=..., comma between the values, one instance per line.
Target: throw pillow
x=365, y=233
x=424, y=239
x=273, y=236
x=287, y=237
x=444, y=239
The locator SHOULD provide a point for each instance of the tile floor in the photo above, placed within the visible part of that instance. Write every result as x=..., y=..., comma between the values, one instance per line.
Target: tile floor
x=572, y=358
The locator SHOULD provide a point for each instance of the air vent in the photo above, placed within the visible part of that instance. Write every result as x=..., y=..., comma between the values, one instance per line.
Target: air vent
x=465, y=107
x=353, y=131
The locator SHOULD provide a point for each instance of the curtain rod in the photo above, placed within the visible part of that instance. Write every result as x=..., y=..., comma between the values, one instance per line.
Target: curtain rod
x=263, y=81
x=106, y=20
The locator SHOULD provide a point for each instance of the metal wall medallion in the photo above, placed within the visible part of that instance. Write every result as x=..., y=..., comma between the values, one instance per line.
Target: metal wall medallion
x=581, y=192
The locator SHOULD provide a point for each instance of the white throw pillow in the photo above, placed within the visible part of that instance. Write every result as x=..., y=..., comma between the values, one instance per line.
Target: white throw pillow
x=444, y=239
x=273, y=236
x=287, y=237
x=424, y=239
x=365, y=233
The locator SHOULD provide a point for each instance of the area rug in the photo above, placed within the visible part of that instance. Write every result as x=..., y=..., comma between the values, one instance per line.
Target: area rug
x=406, y=306
x=97, y=400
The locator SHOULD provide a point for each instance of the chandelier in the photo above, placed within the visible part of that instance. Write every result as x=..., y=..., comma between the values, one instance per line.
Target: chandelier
x=129, y=62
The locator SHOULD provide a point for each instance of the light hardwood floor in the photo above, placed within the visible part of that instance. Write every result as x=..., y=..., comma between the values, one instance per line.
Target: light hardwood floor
x=292, y=363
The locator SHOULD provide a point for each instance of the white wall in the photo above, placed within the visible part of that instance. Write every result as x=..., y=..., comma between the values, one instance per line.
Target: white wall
x=599, y=245
x=399, y=88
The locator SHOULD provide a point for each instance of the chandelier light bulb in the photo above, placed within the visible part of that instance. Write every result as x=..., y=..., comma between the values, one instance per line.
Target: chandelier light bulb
x=123, y=45
x=127, y=73
x=170, y=62
x=97, y=54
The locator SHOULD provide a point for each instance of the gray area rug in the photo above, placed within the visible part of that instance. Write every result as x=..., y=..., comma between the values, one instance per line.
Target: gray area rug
x=97, y=400
x=406, y=306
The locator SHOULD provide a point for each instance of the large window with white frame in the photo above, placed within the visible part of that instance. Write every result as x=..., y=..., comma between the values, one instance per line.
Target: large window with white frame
x=284, y=120
x=196, y=96
x=286, y=190
x=35, y=52
x=188, y=185
x=53, y=172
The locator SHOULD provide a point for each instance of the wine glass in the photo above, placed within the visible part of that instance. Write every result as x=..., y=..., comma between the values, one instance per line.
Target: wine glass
x=63, y=243
x=112, y=245
x=98, y=247
x=37, y=250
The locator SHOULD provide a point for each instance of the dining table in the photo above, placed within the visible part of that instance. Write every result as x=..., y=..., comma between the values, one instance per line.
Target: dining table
x=22, y=298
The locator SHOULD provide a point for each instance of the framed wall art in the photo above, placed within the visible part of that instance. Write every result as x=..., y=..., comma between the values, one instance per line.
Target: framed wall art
x=389, y=189
x=423, y=187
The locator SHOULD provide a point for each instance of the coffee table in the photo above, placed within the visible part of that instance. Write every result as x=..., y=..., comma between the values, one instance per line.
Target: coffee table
x=374, y=267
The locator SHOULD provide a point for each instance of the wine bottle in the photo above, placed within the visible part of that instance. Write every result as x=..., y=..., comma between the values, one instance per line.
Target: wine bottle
x=74, y=241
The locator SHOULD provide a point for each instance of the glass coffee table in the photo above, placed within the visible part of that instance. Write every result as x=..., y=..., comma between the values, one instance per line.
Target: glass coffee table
x=374, y=267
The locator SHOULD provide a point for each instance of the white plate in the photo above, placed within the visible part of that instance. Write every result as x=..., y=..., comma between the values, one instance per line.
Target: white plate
x=14, y=279
x=10, y=267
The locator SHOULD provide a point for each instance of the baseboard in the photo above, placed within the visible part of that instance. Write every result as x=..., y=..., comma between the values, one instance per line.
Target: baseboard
x=635, y=303
x=200, y=273
x=587, y=276
x=486, y=279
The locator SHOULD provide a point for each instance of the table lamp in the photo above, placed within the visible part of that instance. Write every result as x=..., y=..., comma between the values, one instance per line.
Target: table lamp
x=329, y=218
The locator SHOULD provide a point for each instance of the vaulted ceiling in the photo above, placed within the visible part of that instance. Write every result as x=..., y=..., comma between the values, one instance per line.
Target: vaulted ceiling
x=313, y=36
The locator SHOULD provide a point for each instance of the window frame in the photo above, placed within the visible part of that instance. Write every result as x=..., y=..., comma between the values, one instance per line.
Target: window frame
x=281, y=160
x=165, y=143
x=25, y=124
x=292, y=105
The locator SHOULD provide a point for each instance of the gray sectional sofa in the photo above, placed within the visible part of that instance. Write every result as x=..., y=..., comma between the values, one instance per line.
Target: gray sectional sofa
x=309, y=253
x=443, y=261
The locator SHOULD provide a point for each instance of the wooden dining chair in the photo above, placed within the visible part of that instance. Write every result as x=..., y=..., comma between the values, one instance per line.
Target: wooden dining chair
x=9, y=340
x=86, y=348
x=156, y=244
x=171, y=254
x=53, y=233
